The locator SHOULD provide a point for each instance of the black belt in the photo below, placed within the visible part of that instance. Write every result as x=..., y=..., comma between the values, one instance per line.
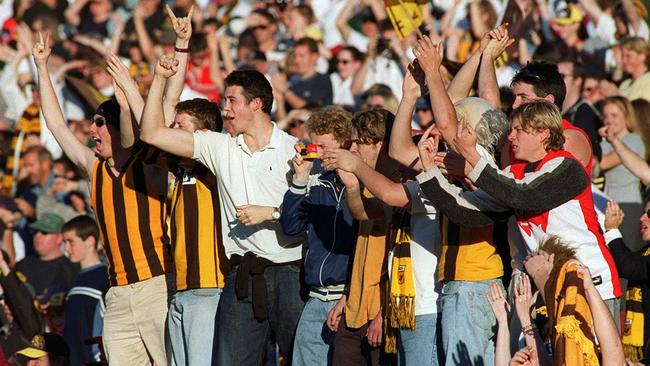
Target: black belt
x=250, y=265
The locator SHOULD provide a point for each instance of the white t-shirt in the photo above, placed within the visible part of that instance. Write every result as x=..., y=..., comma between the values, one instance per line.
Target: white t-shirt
x=341, y=88
x=258, y=178
x=425, y=248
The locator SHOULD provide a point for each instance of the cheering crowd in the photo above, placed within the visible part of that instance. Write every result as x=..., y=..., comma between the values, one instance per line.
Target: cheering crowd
x=300, y=183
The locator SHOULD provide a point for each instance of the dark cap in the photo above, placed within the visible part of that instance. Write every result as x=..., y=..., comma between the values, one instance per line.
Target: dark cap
x=423, y=103
x=110, y=110
x=45, y=344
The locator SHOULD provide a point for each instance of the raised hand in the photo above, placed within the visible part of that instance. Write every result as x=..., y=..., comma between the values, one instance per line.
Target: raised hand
x=452, y=164
x=524, y=298
x=301, y=167
x=429, y=55
x=120, y=73
x=613, y=216
x=499, y=304
x=166, y=67
x=413, y=85
x=340, y=159
x=465, y=142
x=607, y=133
x=428, y=147
x=182, y=25
x=41, y=50
x=496, y=47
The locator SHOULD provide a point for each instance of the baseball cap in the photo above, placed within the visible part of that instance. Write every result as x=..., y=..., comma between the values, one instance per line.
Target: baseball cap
x=567, y=14
x=45, y=344
x=48, y=223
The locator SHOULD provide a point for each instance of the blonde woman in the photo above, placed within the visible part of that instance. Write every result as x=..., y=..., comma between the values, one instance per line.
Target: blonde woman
x=620, y=183
x=635, y=52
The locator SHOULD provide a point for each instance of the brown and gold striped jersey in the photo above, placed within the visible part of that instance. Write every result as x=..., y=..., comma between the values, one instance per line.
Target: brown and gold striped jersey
x=130, y=210
x=468, y=254
x=199, y=259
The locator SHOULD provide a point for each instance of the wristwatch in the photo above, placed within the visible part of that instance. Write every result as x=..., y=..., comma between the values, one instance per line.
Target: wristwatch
x=276, y=214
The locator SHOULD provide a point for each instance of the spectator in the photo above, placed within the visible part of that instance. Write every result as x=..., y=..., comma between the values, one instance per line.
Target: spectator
x=51, y=272
x=635, y=61
x=249, y=212
x=307, y=86
x=620, y=184
x=86, y=297
x=348, y=61
x=47, y=349
x=313, y=202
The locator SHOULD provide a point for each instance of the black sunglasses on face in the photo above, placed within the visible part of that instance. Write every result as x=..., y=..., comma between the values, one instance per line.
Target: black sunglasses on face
x=647, y=213
x=261, y=26
x=99, y=121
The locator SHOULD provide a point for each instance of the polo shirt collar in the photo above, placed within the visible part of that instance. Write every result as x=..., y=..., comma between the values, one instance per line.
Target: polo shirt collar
x=274, y=143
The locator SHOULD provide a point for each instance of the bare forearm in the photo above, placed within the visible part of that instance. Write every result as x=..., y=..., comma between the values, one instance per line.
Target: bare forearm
x=144, y=40
x=215, y=70
x=152, y=119
x=228, y=63
x=605, y=328
x=461, y=84
x=443, y=110
x=389, y=192
x=176, y=82
x=294, y=100
x=355, y=203
x=502, y=346
x=401, y=147
x=359, y=78
x=487, y=81
x=632, y=161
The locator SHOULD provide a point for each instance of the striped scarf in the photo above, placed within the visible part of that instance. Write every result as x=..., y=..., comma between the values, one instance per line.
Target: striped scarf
x=634, y=321
x=572, y=333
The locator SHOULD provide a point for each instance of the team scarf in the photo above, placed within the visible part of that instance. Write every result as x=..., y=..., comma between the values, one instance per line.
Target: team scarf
x=633, y=335
x=572, y=333
x=401, y=300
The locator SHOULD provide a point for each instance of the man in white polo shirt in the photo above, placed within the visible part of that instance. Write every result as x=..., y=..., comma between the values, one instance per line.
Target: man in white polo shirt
x=262, y=289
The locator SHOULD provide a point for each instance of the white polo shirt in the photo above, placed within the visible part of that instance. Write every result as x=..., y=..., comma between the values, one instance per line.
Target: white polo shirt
x=259, y=178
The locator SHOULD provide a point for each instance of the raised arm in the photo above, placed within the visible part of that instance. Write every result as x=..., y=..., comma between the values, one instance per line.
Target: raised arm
x=144, y=40
x=632, y=161
x=391, y=193
x=342, y=20
x=131, y=102
x=183, y=28
x=72, y=15
x=81, y=155
x=611, y=347
x=153, y=130
x=632, y=266
x=487, y=77
x=401, y=147
x=429, y=57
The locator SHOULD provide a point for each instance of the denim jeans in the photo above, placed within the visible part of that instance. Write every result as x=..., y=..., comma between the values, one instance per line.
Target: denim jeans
x=314, y=340
x=468, y=324
x=241, y=339
x=419, y=346
x=191, y=322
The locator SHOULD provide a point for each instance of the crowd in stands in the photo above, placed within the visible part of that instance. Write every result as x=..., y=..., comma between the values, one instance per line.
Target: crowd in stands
x=297, y=182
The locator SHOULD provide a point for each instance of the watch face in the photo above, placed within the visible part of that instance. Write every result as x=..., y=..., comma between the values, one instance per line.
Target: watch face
x=275, y=215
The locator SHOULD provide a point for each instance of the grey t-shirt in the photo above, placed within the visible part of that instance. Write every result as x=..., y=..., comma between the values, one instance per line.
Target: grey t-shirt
x=620, y=184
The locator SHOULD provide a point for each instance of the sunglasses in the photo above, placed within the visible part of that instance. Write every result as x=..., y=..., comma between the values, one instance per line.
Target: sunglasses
x=344, y=62
x=588, y=89
x=647, y=213
x=99, y=121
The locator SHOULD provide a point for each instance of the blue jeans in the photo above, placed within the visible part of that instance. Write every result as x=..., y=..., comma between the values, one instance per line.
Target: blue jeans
x=241, y=339
x=468, y=324
x=191, y=322
x=314, y=340
x=419, y=346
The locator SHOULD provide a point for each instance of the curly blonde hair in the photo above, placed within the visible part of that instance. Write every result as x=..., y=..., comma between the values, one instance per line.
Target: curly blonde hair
x=331, y=120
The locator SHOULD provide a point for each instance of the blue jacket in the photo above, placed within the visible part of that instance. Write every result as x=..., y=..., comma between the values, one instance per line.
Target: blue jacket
x=321, y=209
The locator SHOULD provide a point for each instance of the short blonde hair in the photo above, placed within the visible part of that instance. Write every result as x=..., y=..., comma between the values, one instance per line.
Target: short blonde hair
x=540, y=115
x=638, y=45
x=331, y=120
x=626, y=108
